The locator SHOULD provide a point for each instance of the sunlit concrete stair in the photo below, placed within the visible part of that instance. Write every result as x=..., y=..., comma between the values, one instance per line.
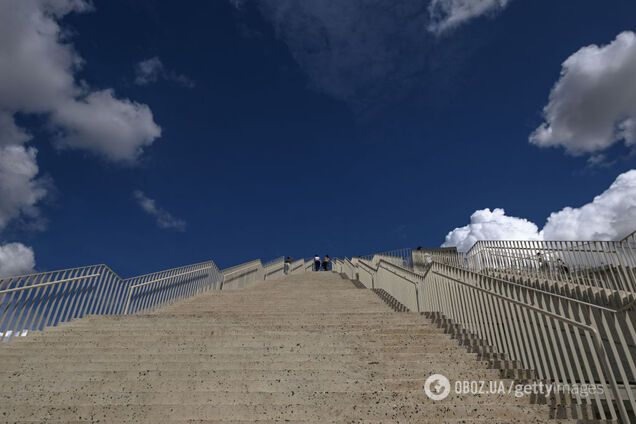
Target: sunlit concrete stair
x=309, y=348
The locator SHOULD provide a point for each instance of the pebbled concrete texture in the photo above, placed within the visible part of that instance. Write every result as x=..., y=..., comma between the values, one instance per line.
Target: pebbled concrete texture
x=311, y=348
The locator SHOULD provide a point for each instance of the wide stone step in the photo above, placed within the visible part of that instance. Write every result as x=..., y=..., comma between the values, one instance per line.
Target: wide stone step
x=239, y=355
x=213, y=322
x=212, y=349
x=296, y=344
x=244, y=356
x=247, y=330
x=344, y=411
x=238, y=339
x=92, y=372
x=258, y=323
x=194, y=385
x=47, y=398
x=44, y=375
x=418, y=420
x=278, y=313
x=172, y=363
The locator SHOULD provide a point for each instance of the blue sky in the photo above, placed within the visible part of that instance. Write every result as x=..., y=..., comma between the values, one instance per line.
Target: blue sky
x=153, y=134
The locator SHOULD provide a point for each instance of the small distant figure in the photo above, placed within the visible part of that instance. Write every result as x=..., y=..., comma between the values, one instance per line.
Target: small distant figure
x=325, y=263
x=316, y=263
x=563, y=267
x=543, y=265
x=288, y=262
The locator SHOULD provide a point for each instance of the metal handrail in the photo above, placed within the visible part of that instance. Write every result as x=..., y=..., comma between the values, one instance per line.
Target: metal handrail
x=35, y=301
x=602, y=352
x=630, y=238
x=33, y=286
x=39, y=300
x=539, y=291
x=598, y=342
x=501, y=313
x=607, y=265
x=132, y=287
x=599, y=264
x=167, y=278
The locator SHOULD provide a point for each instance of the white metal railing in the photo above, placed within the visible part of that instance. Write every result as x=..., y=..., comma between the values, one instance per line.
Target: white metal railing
x=36, y=301
x=601, y=264
x=559, y=339
x=154, y=290
x=401, y=257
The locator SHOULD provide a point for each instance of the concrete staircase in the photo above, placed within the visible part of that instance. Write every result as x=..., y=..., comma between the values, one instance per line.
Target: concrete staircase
x=308, y=348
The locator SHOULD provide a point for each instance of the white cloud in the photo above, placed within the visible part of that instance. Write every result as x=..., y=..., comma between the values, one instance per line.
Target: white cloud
x=16, y=259
x=10, y=133
x=162, y=217
x=593, y=105
x=116, y=129
x=37, y=76
x=449, y=14
x=610, y=216
x=37, y=67
x=148, y=71
x=20, y=189
x=491, y=225
x=152, y=70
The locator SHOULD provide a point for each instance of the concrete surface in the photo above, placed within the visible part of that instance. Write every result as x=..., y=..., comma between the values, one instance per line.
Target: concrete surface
x=311, y=348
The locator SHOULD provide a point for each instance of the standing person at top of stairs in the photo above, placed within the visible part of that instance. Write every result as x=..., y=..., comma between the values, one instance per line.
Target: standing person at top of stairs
x=325, y=263
x=288, y=263
x=316, y=263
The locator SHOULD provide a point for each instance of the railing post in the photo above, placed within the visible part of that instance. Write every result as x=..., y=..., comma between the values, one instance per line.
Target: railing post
x=130, y=289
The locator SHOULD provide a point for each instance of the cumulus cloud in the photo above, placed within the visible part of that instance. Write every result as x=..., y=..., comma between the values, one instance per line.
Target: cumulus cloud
x=10, y=133
x=16, y=259
x=593, y=105
x=449, y=14
x=20, y=189
x=20, y=192
x=609, y=216
x=37, y=75
x=162, y=217
x=491, y=225
x=115, y=129
x=152, y=70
